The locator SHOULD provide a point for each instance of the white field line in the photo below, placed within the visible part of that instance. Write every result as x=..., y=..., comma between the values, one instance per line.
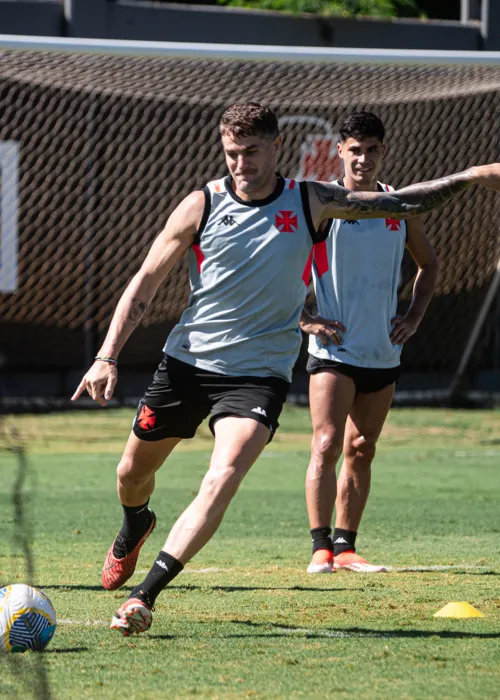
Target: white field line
x=437, y=567
x=84, y=623
x=210, y=570
x=450, y=567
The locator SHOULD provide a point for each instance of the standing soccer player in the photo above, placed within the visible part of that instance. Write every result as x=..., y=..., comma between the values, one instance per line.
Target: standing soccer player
x=250, y=238
x=354, y=361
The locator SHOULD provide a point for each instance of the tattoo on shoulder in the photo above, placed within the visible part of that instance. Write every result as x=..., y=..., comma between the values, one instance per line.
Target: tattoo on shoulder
x=407, y=202
x=137, y=309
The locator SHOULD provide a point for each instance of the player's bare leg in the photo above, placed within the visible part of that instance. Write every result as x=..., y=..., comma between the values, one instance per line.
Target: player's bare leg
x=363, y=428
x=137, y=468
x=238, y=443
x=135, y=484
x=331, y=397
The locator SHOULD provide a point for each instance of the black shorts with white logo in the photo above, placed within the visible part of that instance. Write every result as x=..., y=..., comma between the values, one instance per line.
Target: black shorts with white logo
x=367, y=380
x=181, y=396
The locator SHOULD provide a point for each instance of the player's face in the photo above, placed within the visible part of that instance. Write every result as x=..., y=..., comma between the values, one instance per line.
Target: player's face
x=251, y=161
x=362, y=159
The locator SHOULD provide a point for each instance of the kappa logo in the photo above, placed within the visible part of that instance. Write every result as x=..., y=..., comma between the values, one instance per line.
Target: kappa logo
x=227, y=221
x=287, y=221
x=351, y=221
x=393, y=224
x=162, y=564
x=260, y=411
x=146, y=418
x=340, y=540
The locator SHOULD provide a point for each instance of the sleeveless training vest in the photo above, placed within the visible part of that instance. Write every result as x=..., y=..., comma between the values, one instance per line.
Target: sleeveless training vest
x=249, y=269
x=356, y=276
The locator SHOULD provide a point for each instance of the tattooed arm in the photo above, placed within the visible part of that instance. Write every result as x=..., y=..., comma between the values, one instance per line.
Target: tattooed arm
x=167, y=249
x=329, y=200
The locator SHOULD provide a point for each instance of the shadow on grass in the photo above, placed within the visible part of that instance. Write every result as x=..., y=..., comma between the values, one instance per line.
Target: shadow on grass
x=272, y=630
x=227, y=589
x=360, y=632
x=477, y=573
x=78, y=587
x=73, y=650
x=238, y=589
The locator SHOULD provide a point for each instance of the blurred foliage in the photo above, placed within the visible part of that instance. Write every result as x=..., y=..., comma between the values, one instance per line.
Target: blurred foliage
x=332, y=8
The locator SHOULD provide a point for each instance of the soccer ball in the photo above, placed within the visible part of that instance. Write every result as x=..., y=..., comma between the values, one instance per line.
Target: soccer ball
x=27, y=618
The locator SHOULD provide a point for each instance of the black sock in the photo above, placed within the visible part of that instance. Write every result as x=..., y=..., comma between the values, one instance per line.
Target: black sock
x=136, y=520
x=322, y=538
x=164, y=570
x=343, y=541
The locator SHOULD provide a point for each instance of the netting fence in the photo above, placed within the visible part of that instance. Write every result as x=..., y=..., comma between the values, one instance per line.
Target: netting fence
x=102, y=148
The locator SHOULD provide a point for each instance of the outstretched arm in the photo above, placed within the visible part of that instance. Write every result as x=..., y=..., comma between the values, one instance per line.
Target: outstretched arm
x=168, y=248
x=329, y=200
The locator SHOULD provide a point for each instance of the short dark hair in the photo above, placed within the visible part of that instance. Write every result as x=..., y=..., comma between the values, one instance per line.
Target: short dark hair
x=362, y=125
x=249, y=119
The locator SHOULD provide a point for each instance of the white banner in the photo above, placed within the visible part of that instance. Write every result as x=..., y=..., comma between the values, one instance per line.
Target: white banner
x=9, y=204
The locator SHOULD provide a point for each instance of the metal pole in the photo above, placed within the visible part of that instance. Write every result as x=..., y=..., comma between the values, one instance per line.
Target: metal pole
x=464, y=11
x=485, y=14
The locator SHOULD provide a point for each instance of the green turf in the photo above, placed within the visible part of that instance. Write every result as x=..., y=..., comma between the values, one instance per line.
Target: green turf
x=244, y=619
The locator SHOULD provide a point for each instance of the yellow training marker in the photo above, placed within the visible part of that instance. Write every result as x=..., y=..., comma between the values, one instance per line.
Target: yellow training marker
x=458, y=610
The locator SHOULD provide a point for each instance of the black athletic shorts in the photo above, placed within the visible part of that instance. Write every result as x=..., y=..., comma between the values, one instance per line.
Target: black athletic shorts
x=181, y=396
x=367, y=380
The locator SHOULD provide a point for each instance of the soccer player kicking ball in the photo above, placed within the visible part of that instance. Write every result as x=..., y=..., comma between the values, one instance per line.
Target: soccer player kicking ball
x=250, y=238
x=354, y=360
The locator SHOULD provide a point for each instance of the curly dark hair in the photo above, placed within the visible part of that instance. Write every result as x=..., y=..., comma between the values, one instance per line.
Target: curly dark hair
x=362, y=125
x=249, y=119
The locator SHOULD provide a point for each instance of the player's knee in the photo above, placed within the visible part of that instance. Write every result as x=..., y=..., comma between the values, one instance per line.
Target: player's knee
x=221, y=482
x=361, y=450
x=129, y=473
x=327, y=445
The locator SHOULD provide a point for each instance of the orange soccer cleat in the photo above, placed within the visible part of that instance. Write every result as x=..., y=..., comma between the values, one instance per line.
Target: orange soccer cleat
x=321, y=562
x=116, y=572
x=353, y=562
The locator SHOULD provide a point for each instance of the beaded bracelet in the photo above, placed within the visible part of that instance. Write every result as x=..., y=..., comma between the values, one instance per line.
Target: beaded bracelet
x=111, y=360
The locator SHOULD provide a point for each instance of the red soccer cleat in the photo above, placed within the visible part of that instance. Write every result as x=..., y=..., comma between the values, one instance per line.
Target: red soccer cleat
x=133, y=617
x=116, y=572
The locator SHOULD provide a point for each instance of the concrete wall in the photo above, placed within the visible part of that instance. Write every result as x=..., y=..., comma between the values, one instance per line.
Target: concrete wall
x=38, y=17
x=129, y=19
x=170, y=22
x=492, y=22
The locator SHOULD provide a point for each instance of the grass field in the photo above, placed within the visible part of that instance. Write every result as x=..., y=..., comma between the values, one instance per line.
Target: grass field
x=245, y=620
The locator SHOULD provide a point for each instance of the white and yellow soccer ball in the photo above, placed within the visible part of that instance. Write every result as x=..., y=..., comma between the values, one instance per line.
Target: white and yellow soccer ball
x=27, y=619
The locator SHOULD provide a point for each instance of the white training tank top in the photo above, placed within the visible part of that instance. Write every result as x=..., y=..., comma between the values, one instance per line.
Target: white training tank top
x=356, y=273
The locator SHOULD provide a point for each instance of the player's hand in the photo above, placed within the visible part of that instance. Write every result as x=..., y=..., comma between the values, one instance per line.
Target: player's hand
x=403, y=328
x=99, y=382
x=326, y=330
x=487, y=175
